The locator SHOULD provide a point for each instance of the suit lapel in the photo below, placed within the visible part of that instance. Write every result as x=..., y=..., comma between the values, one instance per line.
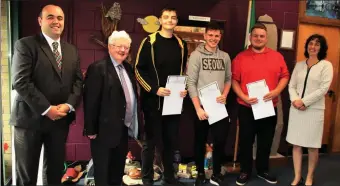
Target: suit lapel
x=113, y=73
x=66, y=63
x=112, y=70
x=48, y=52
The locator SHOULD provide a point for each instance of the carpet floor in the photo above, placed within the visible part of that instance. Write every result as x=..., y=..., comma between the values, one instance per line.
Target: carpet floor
x=326, y=174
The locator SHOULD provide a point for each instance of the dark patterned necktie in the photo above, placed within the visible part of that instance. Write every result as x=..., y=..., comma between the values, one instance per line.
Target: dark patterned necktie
x=128, y=113
x=57, y=55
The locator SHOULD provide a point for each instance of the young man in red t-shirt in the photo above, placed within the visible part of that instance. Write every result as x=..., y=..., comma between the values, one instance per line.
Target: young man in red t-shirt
x=256, y=63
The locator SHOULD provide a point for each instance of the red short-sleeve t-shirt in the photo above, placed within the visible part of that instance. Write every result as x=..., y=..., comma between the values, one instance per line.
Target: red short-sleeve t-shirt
x=249, y=66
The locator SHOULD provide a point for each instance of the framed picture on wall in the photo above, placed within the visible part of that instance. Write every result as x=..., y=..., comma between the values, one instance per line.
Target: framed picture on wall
x=287, y=39
x=320, y=12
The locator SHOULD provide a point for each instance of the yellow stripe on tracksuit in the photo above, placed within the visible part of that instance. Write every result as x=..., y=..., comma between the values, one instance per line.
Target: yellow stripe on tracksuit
x=146, y=86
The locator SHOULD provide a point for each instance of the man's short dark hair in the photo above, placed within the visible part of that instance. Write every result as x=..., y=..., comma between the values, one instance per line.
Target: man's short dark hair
x=259, y=26
x=41, y=10
x=323, y=46
x=213, y=26
x=169, y=10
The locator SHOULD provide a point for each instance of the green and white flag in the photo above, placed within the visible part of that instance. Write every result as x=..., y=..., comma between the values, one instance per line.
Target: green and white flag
x=250, y=22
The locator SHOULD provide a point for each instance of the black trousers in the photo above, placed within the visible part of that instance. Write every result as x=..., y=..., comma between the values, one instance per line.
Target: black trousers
x=160, y=131
x=264, y=129
x=27, y=146
x=219, y=133
x=109, y=163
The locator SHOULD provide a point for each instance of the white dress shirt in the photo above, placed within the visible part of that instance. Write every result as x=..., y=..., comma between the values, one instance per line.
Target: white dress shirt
x=128, y=82
x=50, y=41
x=133, y=129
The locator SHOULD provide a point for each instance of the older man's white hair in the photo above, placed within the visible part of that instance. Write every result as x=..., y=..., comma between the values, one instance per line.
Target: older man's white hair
x=116, y=35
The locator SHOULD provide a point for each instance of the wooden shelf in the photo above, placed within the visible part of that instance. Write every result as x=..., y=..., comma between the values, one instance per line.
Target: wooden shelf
x=191, y=36
x=188, y=33
x=193, y=42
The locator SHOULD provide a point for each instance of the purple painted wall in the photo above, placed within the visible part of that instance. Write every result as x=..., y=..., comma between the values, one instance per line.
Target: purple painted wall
x=83, y=19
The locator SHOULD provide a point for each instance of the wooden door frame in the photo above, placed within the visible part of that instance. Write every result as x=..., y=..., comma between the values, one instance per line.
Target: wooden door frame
x=335, y=106
x=334, y=114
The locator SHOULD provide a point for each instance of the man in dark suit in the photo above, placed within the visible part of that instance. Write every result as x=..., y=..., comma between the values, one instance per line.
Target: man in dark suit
x=48, y=82
x=110, y=110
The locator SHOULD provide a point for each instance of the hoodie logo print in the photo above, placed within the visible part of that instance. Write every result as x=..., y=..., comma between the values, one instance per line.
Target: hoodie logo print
x=213, y=64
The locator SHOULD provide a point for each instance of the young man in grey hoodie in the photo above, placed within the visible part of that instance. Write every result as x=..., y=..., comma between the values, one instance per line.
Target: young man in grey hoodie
x=208, y=64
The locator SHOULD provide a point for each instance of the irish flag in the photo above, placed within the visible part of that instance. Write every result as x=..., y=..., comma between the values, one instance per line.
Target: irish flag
x=250, y=22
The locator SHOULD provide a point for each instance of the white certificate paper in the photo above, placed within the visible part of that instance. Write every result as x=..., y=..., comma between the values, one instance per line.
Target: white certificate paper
x=261, y=109
x=216, y=111
x=173, y=103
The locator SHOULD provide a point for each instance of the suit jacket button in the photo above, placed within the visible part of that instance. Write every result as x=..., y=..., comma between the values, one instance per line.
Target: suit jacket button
x=123, y=119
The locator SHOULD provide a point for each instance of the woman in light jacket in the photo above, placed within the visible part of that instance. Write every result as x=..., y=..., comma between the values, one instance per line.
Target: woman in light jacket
x=309, y=83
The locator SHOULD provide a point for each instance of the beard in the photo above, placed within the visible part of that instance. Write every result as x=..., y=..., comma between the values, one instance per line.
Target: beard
x=258, y=47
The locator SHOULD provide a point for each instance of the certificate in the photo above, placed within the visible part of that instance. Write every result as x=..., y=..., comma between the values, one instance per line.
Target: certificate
x=173, y=103
x=261, y=109
x=216, y=111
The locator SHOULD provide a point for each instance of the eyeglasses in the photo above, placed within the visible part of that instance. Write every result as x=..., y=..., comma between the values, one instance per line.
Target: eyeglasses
x=122, y=47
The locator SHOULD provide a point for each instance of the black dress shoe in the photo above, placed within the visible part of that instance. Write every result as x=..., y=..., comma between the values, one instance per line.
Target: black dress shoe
x=300, y=183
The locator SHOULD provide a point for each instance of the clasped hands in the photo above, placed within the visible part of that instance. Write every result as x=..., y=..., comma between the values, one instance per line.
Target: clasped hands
x=298, y=104
x=58, y=111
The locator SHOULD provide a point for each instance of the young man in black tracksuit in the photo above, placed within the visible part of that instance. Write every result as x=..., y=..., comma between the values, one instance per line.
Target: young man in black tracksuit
x=160, y=54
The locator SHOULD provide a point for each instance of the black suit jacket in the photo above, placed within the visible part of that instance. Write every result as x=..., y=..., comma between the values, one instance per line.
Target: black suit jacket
x=104, y=102
x=39, y=83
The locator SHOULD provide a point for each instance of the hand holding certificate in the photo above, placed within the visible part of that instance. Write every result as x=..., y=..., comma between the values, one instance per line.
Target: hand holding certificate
x=216, y=111
x=173, y=103
x=261, y=109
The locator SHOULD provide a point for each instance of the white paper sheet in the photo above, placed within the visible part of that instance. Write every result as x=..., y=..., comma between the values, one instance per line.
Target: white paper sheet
x=172, y=104
x=216, y=111
x=261, y=109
